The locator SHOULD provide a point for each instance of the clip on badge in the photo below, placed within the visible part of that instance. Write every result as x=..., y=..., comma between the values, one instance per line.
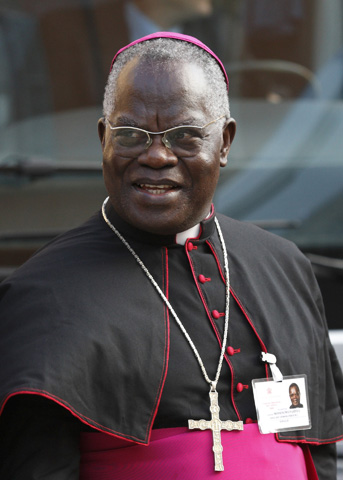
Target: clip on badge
x=271, y=360
x=281, y=402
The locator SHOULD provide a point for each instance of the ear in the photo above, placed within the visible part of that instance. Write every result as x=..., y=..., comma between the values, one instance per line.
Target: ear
x=229, y=132
x=102, y=131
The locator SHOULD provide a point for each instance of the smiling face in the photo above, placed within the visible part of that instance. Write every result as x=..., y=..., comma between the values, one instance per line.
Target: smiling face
x=156, y=190
x=294, y=395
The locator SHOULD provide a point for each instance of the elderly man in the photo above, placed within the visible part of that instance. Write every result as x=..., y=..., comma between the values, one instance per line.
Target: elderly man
x=151, y=317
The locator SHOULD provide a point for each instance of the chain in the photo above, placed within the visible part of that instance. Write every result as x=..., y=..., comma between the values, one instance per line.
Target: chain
x=214, y=382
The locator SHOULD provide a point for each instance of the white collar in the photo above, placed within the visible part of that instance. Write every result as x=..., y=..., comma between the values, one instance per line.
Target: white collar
x=192, y=232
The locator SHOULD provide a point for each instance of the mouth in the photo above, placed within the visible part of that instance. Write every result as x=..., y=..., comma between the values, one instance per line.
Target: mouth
x=156, y=189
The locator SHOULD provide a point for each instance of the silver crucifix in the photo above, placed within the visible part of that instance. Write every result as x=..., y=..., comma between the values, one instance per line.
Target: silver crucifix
x=216, y=425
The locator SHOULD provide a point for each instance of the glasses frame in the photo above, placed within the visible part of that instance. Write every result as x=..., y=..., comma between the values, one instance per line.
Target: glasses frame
x=163, y=132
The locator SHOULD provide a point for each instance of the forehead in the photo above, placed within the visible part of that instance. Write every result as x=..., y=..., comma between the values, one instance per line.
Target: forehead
x=165, y=87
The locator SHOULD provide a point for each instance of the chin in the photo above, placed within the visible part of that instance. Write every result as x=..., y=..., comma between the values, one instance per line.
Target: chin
x=162, y=227
x=158, y=228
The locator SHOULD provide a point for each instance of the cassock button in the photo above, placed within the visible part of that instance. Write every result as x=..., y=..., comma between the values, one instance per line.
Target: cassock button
x=231, y=351
x=216, y=314
x=240, y=387
x=250, y=420
x=190, y=246
x=203, y=279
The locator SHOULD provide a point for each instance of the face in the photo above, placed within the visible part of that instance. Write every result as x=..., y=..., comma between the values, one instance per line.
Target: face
x=294, y=395
x=158, y=191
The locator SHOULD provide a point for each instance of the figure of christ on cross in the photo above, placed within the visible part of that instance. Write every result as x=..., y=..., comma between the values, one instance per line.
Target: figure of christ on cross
x=216, y=425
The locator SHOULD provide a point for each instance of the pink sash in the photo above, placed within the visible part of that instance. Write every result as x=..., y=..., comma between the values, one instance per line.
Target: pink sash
x=180, y=454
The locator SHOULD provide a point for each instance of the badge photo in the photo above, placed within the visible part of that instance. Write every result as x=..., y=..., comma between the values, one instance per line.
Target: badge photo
x=282, y=406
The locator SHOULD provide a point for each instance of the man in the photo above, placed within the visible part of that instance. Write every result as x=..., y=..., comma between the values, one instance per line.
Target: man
x=117, y=334
x=294, y=395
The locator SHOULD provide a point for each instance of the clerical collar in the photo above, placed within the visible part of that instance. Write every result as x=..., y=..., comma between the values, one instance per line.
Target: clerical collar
x=201, y=231
x=193, y=232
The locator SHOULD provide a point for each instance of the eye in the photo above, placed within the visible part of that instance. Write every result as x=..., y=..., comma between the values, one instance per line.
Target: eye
x=129, y=137
x=185, y=140
x=184, y=135
x=181, y=134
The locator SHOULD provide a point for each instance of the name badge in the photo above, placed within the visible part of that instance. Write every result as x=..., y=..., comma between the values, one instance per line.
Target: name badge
x=282, y=406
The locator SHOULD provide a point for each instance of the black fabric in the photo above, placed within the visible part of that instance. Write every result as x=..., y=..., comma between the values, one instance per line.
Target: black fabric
x=39, y=440
x=185, y=393
x=82, y=325
x=325, y=460
x=67, y=336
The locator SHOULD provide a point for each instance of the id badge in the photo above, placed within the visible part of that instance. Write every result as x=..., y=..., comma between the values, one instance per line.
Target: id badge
x=282, y=406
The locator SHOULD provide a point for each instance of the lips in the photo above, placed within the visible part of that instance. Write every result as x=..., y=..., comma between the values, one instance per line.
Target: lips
x=156, y=189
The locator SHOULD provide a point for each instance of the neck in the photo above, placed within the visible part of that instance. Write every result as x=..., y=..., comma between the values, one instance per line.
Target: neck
x=201, y=231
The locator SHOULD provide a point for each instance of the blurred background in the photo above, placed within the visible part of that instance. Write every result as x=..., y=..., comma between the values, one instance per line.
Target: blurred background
x=284, y=59
x=285, y=63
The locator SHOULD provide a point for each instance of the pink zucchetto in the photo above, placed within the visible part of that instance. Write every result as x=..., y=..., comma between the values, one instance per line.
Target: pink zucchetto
x=175, y=36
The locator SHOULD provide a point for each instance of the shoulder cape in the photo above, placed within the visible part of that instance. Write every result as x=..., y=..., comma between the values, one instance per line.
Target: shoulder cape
x=67, y=333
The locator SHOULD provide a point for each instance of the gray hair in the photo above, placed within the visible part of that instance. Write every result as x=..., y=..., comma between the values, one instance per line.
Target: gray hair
x=166, y=49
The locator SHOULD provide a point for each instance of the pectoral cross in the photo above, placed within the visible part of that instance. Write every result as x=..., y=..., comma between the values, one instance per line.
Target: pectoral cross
x=216, y=425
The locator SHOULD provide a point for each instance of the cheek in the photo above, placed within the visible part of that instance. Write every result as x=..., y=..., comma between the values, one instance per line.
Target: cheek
x=107, y=167
x=113, y=167
x=205, y=171
x=112, y=172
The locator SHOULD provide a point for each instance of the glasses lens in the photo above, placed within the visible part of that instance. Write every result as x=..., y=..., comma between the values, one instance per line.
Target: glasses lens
x=185, y=139
x=129, y=137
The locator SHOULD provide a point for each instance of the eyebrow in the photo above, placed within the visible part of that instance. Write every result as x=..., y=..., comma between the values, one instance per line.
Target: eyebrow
x=191, y=121
x=124, y=121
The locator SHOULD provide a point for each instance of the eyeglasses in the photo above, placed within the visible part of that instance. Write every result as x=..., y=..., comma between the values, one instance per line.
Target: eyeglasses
x=184, y=140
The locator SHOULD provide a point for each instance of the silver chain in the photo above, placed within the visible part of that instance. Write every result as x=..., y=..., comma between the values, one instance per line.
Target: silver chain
x=214, y=382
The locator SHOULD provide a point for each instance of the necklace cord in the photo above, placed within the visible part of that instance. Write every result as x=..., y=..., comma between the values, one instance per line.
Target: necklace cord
x=214, y=382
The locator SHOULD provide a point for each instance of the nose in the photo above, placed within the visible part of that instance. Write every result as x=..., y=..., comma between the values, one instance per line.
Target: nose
x=157, y=155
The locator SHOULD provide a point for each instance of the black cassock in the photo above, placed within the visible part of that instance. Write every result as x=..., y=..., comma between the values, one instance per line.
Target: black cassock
x=82, y=326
